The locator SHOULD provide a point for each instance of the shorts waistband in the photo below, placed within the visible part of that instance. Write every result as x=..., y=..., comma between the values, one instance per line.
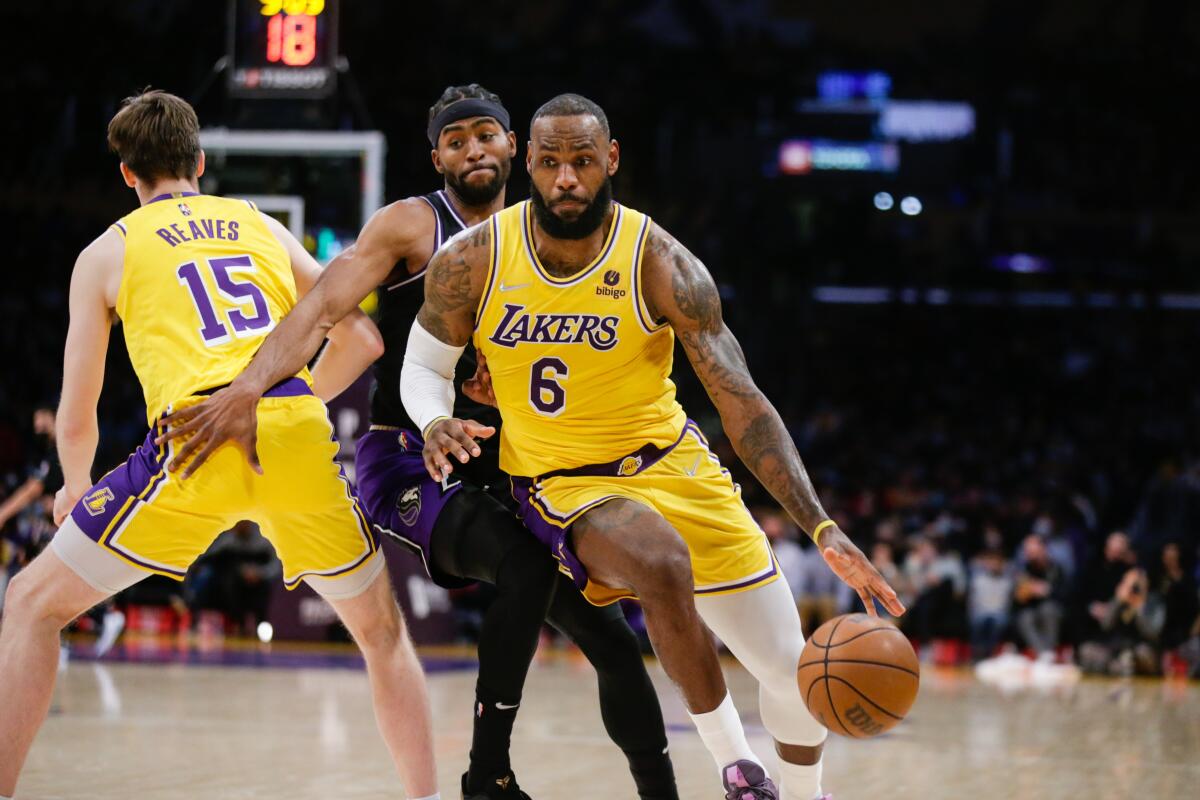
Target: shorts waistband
x=626, y=466
x=288, y=387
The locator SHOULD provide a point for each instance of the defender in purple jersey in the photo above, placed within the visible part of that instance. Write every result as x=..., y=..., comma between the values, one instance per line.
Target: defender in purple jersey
x=467, y=529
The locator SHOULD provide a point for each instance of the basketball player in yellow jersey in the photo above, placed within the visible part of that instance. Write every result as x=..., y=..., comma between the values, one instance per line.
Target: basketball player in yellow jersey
x=575, y=302
x=197, y=282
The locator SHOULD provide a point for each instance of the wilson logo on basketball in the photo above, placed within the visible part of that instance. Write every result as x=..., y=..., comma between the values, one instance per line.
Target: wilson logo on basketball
x=857, y=716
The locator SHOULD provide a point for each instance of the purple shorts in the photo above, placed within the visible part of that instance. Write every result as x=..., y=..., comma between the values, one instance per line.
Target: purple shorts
x=399, y=496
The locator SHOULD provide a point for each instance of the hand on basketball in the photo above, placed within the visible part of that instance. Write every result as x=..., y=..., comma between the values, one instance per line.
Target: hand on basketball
x=452, y=437
x=849, y=564
x=479, y=386
x=230, y=415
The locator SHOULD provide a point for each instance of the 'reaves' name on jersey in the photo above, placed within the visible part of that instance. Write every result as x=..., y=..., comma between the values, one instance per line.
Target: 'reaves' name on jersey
x=176, y=234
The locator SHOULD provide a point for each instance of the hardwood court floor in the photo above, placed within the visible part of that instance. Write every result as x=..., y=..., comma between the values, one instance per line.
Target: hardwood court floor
x=121, y=730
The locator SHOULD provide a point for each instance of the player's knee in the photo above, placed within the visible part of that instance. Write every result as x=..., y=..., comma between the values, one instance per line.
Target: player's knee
x=26, y=601
x=379, y=632
x=789, y=721
x=528, y=571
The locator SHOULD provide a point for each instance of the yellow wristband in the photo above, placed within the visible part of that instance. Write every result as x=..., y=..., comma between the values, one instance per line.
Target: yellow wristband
x=817, y=531
x=432, y=422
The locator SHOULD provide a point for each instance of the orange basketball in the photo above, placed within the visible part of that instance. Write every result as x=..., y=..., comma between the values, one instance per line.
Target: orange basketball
x=858, y=675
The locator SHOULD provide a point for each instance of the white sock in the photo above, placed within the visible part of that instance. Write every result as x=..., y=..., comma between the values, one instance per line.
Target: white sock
x=800, y=781
x=723, y=735
x=434, y=796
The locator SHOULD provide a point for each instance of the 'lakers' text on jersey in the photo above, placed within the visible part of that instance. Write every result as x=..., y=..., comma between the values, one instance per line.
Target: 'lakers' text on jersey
x=204, y=281
x=580, y=370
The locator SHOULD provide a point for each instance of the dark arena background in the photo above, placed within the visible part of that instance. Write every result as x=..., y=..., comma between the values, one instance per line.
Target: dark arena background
x=957, y=241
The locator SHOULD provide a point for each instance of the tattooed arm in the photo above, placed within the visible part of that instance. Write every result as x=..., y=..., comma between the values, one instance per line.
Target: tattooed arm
x=678, y=288
x=454, y=284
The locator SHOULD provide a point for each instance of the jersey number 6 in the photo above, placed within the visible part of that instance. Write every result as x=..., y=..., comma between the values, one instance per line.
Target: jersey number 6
x=240, y=293
x=546, y=395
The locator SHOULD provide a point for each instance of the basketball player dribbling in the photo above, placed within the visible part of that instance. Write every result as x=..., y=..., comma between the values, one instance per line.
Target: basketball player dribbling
x=466, y=530
x=197, y=282
x=575, y=302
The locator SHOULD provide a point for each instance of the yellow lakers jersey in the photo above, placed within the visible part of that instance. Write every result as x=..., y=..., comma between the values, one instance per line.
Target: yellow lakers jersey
x=582, y=374
x=204, y=281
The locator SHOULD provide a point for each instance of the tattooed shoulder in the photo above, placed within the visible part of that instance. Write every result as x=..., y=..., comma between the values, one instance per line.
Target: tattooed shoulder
x=455, y=274
x=679, y=282
x=454, y=280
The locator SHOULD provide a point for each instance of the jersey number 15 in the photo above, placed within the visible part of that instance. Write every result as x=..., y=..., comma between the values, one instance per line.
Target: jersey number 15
x=250, y=317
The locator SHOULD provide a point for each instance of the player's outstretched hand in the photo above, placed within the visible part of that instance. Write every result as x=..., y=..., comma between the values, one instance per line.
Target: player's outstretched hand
x=849, y=564
x=479, y=386
x=452, y=437
x=230, y=415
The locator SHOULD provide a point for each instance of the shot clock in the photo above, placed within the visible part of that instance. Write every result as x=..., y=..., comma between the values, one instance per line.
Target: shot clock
x=282, y=48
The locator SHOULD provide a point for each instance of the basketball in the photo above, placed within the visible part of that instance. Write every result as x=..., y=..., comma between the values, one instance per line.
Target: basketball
x=858, y=675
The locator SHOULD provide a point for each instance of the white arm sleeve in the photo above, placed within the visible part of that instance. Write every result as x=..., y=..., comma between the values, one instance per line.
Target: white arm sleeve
x=427, y=377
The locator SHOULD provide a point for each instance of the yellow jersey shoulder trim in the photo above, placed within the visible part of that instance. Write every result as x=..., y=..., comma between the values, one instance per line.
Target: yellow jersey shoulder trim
x=644, y=317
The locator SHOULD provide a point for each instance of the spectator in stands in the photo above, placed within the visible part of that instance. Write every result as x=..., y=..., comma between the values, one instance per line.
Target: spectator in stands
x=1101, y=581
x=938, y=582
x=43, y=477
x=1129, y=630
x=1038, y=597
x=989, y=601
x=1180, y=602
x=235, y=577
x=782, y=535
x=882, y=557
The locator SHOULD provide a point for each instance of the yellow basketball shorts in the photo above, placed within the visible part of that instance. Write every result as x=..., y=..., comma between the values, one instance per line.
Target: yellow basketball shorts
x=156, y=521
x=686, y=484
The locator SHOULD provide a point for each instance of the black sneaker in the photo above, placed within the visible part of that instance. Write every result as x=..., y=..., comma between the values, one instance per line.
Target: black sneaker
x=502, y=788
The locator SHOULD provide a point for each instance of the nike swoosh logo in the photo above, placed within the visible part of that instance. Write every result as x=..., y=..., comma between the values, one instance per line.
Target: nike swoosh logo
x=692, y=472
x=504, y=707
x=504, y=288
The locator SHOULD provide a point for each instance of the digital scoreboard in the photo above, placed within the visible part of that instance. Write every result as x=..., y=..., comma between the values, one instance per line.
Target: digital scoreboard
x=282, y=48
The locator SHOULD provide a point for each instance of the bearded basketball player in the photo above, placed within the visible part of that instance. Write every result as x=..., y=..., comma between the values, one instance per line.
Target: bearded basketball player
x=576, y=301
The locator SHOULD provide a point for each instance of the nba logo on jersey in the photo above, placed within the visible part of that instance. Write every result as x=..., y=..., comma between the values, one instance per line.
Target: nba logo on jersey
x=183, y=209
x=97, y=500
x=630, y=465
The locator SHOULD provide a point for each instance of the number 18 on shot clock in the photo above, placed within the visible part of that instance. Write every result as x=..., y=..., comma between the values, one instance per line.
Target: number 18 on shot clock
x=282, y=48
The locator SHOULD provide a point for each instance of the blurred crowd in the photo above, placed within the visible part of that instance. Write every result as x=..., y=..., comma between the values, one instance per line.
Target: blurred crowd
x=1024, y=477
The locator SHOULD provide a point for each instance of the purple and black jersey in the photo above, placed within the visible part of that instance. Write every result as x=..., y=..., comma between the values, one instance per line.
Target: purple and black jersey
x=400, y=497
x=399, y=301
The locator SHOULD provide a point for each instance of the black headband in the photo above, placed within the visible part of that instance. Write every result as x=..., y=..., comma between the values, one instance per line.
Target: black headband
x=462, y=109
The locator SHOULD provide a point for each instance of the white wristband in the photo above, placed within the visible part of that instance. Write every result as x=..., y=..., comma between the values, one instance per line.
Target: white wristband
x=427, y=377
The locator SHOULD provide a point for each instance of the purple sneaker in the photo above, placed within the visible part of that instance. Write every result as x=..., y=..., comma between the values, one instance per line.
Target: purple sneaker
x=745, y=780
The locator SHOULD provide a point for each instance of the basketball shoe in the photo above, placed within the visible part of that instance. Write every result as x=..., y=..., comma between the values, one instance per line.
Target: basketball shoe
x=502, y=788
x=745, y=780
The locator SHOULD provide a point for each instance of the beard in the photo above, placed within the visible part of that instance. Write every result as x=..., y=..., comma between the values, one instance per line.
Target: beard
x=583, y=225
x=480, y=194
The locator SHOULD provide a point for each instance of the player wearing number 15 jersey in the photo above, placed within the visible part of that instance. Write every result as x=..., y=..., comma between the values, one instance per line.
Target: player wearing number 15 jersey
x=197, y=282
